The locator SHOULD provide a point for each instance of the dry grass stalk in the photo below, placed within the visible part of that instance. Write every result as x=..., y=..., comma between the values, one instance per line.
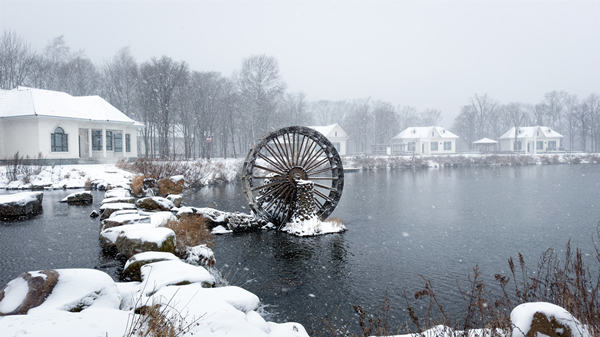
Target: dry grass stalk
x=137, y=184
x=190, y=230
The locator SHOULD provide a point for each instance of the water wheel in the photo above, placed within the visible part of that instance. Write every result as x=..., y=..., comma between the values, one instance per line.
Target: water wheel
x=282, y=158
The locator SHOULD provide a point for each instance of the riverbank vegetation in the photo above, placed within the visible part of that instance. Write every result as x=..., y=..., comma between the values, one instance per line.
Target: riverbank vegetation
x=471, y=160
x=564, y=280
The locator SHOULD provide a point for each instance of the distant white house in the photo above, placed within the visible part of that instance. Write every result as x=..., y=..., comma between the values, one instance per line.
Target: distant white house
x=64, y=128
x=425, y=140
x=336, y=135
x=531, y=139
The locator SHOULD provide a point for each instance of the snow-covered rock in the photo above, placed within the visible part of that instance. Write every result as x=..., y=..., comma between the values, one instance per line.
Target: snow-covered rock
x=545, y=319
x=176, y=199
x=200, y=255
x=110, y=208
x=117, y=193
x=27, y=291
x=155, y=204
x=124, y=219
x=20, y=204
x=160, y=274
x=313, y=227
x=132, y=269
x=158, y=239
x=172, y=185
x=79, y=198
x=108, y=236
x=129, y=200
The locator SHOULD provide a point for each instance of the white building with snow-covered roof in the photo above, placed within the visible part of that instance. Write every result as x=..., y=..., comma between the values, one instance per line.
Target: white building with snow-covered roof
x=425, y=140
x=336, y=135
x=531, y=139
x=64, y=128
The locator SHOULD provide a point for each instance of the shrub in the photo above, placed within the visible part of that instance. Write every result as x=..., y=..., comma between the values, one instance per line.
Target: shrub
x=137, y=184
x=190, y=230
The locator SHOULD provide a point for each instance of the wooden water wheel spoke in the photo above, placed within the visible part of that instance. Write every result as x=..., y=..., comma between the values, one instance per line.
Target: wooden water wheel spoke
x=282, y=153
x=319, y=172
x=316, y=165
x=268, y=160
x=289, y=155
x=277, y=157
x=268, y=169
x=267, y=186
x=313, y=158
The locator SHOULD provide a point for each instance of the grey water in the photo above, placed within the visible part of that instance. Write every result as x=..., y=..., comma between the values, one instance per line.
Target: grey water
x=438, y=223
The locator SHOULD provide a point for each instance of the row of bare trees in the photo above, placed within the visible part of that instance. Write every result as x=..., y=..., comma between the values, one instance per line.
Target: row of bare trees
x=195, y=113
x=577, y=119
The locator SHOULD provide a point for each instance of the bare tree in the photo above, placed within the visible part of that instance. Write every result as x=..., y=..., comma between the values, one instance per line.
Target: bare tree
x=17, y=61
x=571, y=106
x=538, y=114
x=517, y=115
x=430, y=117
x=408, y=117
x=330, y=112
x=294, y=109
x=555, y=103
x=482, y=109
x=465, y=125
x=385, y=122
x=160, y=78
x=261, y=88
x=120, y=83
x=358, y=124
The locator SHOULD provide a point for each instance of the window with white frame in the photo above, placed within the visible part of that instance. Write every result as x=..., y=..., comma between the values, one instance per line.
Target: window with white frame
x=539, y=145
x=59, y=140
x=434, y=146
x=551, y=145
x=96, y=140
x=118, y=142
x=127, y=142
x=517, y=145
x=109, y=141
x=448, y=146
x=411, y=147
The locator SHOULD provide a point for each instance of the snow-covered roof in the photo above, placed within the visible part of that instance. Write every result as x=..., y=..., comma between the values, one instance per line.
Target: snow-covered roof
x=531, y=131
x=24, y=101
x=424, y=132
x=328, y=129
x=485, y=141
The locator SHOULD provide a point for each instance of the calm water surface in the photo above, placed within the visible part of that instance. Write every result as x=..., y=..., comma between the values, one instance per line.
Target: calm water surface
x=438, y=223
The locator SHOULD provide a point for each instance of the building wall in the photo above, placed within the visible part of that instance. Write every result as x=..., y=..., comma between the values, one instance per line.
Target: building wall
x=20, y=135
x=32, y=135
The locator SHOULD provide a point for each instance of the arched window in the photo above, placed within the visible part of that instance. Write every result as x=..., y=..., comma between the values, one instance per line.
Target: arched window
x=59, y=140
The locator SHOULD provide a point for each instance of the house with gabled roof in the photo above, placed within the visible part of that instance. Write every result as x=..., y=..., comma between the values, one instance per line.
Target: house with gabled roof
x=63, y=128
x=425, y=140
x=531, y=139
x=336, y=135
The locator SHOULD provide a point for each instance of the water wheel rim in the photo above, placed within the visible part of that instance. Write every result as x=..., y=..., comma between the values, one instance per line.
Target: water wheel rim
x=283, y=156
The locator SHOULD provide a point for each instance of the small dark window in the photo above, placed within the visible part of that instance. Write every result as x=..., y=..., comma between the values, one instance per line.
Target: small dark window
x=109, y=141
x=128, y=142
x=59, y=140
x=118, y=142
x=96, y=140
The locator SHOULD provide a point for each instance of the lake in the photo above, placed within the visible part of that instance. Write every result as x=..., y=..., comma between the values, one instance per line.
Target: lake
x=438, y=223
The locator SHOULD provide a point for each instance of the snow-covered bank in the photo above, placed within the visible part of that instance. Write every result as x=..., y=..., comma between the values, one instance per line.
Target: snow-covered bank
x=467, y=160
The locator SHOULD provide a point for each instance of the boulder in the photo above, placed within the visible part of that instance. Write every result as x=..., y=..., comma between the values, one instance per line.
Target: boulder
x=108, y=236
x=110, y=208
x=173, y=272
x=545, y=319
x=200, y=255
x=175, y=199
x=94, y=214
x=123, y=219
x=27, y=291
x=131, y=271
x=128, y=200
x=117, y=193
x=150, y=187
x=155, y=204
x=79, y=198
x=159, y=239
x=21, y=204
x=173, y=185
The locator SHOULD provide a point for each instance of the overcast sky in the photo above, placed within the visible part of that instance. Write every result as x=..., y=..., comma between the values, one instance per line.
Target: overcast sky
x=428, y=54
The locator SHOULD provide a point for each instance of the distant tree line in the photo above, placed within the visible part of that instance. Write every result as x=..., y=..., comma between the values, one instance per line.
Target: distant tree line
x=215, y=115
x=577, y=119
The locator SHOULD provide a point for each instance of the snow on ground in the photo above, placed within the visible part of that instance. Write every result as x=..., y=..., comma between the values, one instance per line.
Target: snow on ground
x=313, y=227
x=87, y=302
